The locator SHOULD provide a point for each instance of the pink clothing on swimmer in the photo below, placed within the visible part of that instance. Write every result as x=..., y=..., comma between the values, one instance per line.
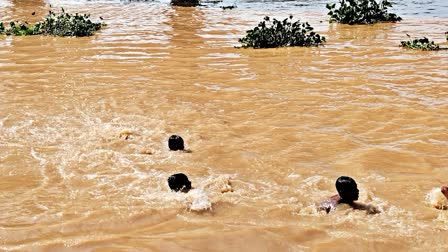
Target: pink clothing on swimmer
x=444, y=190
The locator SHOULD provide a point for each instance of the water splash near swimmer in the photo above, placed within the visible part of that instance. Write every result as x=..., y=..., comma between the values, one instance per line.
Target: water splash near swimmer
x=436, y=199
x=199, y=200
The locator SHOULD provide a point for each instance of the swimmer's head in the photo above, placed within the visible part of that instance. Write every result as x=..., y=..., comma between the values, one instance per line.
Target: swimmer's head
x=175, y=143
x=179, y=182
x=347, y=189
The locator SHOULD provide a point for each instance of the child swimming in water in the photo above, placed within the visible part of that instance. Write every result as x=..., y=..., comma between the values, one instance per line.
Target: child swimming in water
x=348, y=193
x=179, y=182
x=176, y=143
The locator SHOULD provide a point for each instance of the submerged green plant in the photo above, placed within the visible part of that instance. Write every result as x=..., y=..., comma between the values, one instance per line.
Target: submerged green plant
x=281, y=33
x=19, y=29
x=361, y=12
x=420, y=44
x=63, y=24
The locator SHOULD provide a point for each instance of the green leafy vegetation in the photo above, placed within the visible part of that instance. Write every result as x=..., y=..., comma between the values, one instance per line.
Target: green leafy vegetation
x=281, y=33
x=420, y=44
x=62, y=24
x=18, y=29
x=361, y=12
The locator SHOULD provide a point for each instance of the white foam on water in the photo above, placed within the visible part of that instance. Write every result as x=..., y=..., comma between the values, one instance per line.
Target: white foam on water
x=199, y=200
x=43, y=163
x=436, y=199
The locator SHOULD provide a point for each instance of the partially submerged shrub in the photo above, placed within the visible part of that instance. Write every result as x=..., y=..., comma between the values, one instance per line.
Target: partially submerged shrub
x=19, y=29
x=65, y=24
x=361, y=12
x=421, y=44
x=281, y=33
x=62, y=24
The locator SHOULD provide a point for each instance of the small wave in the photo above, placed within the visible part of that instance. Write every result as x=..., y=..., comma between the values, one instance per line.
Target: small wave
x=199, y=200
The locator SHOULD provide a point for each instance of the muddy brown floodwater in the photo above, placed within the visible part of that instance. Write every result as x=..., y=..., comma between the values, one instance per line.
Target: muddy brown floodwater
x=269, y=131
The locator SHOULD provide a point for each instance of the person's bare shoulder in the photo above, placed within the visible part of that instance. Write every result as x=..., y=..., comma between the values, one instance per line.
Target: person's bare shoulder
x=444, y=190
x=329, y=204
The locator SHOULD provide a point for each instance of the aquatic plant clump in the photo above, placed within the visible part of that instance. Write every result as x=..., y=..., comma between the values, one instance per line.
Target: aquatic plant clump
x=420, y=44
x=63, y=25
x=281, y=33
x=19, y=29
x=361, y=12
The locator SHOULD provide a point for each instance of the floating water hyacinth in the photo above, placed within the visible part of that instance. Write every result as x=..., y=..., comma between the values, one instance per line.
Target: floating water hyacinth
x=16, y=29
x=63, y=25
x=361, y=12
x=420, y=44
x=281, y=33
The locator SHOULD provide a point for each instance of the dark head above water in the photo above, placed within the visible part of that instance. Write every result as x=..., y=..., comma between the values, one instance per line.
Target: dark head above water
x=347, y=189
x=176, y=143
x=179, y=182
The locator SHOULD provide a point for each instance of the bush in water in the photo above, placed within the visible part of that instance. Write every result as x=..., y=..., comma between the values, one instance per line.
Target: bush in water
x=281, y=33
x=62, y=24
x=17, y=29
x=361, y=12
x=421, y=44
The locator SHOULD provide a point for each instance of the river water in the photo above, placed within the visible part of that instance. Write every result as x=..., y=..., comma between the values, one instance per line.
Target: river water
x=269, y=131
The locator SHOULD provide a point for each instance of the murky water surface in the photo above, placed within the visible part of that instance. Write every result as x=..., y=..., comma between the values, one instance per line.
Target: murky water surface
x=280, y=125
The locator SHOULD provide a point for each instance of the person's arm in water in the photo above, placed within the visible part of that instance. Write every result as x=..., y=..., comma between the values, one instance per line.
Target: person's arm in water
x=368, y=208
x=329, y=204
x=444, y=190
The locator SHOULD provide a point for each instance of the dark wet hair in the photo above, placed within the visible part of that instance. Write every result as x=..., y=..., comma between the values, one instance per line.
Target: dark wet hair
x=175, y=143
x=179, y=182
x=347, y=189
